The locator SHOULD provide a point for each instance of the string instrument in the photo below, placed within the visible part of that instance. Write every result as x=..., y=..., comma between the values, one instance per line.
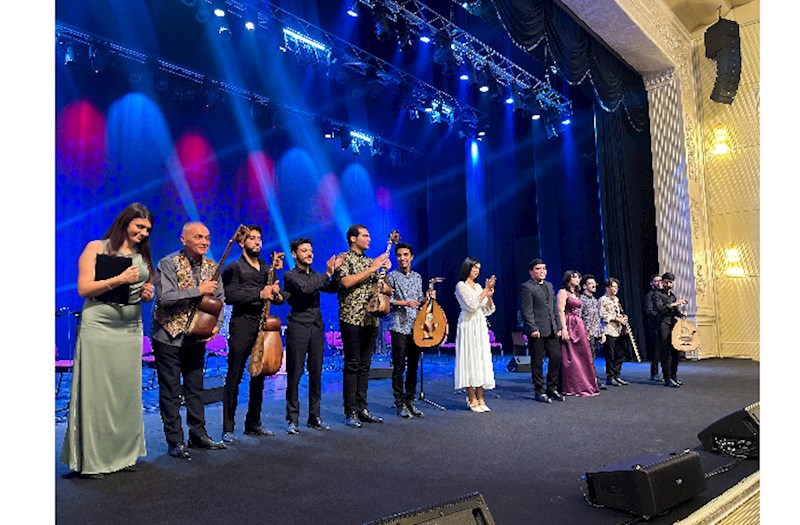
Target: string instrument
x=379, y=301
x=684, y=335
x=266, y=355
x=206, y=313
x=430, y=326
x=626, y=328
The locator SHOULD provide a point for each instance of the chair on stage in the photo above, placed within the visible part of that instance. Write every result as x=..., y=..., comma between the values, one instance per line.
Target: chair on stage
x=63, y=366
x=217, y=347
x=148, y=360
x=493, y=343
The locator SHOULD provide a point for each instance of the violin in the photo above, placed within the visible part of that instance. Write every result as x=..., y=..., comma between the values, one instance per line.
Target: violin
x=430, y=326
x=379, y=305
x=266, y=355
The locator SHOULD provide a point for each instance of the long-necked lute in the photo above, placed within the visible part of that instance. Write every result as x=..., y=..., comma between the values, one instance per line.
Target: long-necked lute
x=430, y=326
x=379, y=305
x=206, y=313
x=266, y=355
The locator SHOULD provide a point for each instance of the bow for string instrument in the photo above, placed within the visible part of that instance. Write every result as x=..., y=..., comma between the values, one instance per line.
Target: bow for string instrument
x=379, y=305
x=266, y=355
x=206, y=313
x=628, y=330
x=430, y=326
x=684, y=335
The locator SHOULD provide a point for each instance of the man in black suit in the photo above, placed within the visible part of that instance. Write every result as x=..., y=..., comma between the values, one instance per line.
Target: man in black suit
x=543, y=328
x=651, y=316
x=668, y=307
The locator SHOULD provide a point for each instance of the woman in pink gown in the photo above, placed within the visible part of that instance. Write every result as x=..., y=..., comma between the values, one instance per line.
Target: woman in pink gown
x=578, y=376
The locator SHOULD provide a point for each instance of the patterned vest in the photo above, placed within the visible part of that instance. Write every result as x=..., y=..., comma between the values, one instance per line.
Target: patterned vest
x=175, y=319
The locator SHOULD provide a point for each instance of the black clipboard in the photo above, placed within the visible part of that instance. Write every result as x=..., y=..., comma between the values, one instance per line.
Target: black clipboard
x=106, y=267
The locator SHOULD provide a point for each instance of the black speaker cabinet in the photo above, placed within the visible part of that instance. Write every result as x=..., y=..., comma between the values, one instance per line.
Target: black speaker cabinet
x=380, y=369
x=735, y=434
x=723, y=46
x=466, y=510
x=649, y=485
x=519, y=363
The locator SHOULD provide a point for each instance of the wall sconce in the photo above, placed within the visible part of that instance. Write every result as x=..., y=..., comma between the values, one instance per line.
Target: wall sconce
x=720, y=144
x=733, y=263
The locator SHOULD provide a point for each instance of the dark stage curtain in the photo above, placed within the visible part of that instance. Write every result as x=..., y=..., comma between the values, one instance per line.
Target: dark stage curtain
x=576, y=53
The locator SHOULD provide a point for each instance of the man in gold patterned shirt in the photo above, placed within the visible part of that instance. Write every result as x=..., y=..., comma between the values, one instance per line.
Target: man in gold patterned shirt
x=357, y=278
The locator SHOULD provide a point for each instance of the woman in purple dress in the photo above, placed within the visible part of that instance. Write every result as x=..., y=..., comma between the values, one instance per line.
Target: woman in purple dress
x=578, y=376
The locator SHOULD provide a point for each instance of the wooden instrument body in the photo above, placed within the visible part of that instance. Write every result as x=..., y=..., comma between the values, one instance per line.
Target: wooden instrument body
x=685, y=337
x=266, y=354
x=206, y=314
x=430, y=326
x=379, y=304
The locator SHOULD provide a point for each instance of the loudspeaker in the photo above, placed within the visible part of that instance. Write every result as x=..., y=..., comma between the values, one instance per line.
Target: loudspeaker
x=380, y=369
x=735, y=434
x=466, y=510
x=648, y=485
x=519, y=363
x=723, y=46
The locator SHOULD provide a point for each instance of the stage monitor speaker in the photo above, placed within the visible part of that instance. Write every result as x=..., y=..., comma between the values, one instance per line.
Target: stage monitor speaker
x=380, y=369
x=519, y=363
x=723, y=46
x=213, y=388
x=647, y=486
x=466, y=510
x=735, y=434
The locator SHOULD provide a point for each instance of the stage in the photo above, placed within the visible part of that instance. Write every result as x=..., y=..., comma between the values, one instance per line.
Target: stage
x=526, y=458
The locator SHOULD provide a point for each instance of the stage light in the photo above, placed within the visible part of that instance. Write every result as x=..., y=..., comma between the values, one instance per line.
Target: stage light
x=69, y=55
x=223, y=30
x=345, y=139
x=510, y=100
x=250, y=19
x=425, y=39
x=443, y=53
x=404, y=35
x=219, y=8
x=535, y=116
x=98, y=57
x=353, y=9
x=381, y=18
x=566, y=122
x=464, y=76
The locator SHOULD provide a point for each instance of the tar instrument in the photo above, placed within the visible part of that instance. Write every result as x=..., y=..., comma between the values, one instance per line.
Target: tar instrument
x=628, y=330
x=684, y=335
x=430, y=327
x=379, y=305
x=206, y=314
x=266, y=355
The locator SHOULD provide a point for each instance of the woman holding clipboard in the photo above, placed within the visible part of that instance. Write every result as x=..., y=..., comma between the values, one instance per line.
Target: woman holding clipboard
x=105, y=430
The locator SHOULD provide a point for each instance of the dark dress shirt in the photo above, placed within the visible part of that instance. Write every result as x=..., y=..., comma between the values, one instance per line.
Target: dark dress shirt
x=243, y=284
x=301, y=291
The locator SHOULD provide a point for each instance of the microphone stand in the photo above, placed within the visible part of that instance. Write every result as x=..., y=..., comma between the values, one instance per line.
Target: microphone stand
x=422, y=382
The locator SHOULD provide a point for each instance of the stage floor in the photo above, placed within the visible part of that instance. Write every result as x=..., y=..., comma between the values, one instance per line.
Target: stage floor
x=525, y=458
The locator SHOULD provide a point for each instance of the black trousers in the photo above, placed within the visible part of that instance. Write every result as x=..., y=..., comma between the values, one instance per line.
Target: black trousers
x=654, y=349
x=615, y=355
x=404, y=350
x=172, y=362
x=358, y=344
x=302, y=341
x=548, y=346
x=593, y=343
x=669, y=356
x=242, y=333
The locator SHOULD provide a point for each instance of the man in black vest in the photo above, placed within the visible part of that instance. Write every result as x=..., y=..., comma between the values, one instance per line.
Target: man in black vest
x=543, y=328
x=668, y=307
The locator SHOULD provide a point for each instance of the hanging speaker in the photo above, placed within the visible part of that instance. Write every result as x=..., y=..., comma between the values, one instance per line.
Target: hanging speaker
x=723, y=46
x=735, y=434
x=647, y=486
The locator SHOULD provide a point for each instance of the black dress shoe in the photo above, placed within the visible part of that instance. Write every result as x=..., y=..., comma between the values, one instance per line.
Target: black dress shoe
x=403, y=412
x=602, y=386
x=93, y=476
x=555, y=394
x=671, y=383
x=614, y=382
x=680, y=383
x=206, y=443
x=367, y=417
x=291, y=428
x=414, y=410
x=351, y=420
x=229, y=438
x=260, y=431
x=655, y=377
x=178, y=450
x=318, y=424
x=542, y=398
x=621, y=381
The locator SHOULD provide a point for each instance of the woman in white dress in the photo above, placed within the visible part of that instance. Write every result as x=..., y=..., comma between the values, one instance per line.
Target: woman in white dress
x=474, y=369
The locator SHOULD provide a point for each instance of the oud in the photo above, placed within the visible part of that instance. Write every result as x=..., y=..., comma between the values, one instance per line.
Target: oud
x=379, y=305
x=206, y=313
x=430, y=326
x=266, y=355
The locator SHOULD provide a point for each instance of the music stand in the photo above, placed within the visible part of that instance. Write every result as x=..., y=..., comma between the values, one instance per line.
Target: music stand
x=422, y=382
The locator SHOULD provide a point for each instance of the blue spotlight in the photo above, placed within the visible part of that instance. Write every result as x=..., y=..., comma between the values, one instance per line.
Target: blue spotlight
x=464, y=76
x=510, y=100
x=250, y=26
x=219, y=8
x=425, y=39
x=483, y=89
x=353, y=9
x=536, y=117
x=566, y=121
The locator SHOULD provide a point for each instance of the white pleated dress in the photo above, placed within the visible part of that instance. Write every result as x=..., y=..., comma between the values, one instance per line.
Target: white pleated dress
x=473, y=353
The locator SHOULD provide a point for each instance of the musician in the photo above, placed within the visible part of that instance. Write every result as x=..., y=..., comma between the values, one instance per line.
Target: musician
x=182, y=278
x=590, y=313
x=613, y=322
x=543, y=328
x=651, y=319
x=245, y=282
x=305, y=334
x=668, y=307
x=357, y=278
x=406, y=301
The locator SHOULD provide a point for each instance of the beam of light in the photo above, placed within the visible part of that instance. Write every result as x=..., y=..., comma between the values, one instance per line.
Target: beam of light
x=81, y=143
x=291, y=33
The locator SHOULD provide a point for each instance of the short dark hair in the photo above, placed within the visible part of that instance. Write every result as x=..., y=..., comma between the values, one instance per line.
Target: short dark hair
x=534, y=262
x=586, y=278
x=568, y=277
x=610, y=281
x=295, y=244
x=353, y=230
x=668, y=276
x=405, y=245
x=654, y=276
x=466, y=267
x=257, y=228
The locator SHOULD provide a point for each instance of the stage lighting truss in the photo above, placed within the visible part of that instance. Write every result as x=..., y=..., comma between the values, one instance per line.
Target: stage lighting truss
x=305, y=47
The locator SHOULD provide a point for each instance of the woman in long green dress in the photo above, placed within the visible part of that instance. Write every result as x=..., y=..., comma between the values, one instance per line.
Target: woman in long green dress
x=105, y=429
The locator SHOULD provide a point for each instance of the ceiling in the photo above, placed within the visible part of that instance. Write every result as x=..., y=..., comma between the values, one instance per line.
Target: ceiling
x=697, y=14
